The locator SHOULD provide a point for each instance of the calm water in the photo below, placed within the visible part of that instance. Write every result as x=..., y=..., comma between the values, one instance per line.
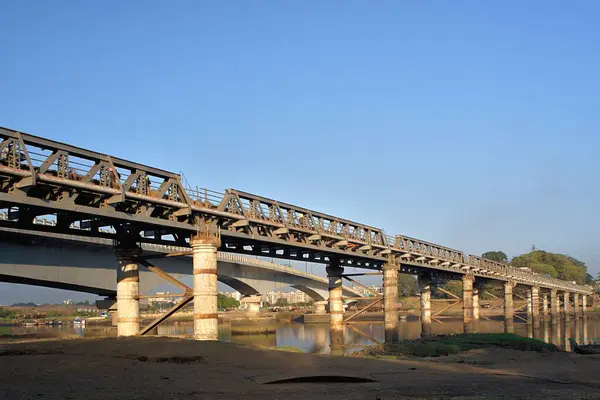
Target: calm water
x=316, y=339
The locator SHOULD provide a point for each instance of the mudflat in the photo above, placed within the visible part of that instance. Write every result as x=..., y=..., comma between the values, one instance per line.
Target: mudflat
x=154, y=368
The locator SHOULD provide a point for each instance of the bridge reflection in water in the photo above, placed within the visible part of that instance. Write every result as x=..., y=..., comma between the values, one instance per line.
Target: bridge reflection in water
x=316, y=338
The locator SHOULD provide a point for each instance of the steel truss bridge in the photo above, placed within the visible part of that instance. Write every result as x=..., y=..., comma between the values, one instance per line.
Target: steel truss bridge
x=87, y=193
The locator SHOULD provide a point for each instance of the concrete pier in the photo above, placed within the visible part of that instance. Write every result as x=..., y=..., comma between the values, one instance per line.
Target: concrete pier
x=529, y=308
x=336, y=305
x=583, y=305
x=476, y=288
x=425, y=289
x=467, y=283
x=252, y=305
x=576, y=305
x=204, y=258
x=128, y=291
x=567, y=305
x=509, y=323
x=545, y=305
x=390, y=302
x=320, y=307
x=554, y=306
x=535, y=306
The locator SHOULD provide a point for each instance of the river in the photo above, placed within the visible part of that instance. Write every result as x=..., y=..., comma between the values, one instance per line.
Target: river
x=315, y=338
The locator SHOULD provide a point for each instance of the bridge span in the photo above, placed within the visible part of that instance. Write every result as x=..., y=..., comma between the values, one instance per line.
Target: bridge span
x=85, y=192
x=86, y=264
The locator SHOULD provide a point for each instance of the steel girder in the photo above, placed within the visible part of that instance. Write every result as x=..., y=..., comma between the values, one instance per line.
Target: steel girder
x=84, y=192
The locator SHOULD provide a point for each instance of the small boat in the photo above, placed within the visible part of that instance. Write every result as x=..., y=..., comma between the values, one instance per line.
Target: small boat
x=584, y=349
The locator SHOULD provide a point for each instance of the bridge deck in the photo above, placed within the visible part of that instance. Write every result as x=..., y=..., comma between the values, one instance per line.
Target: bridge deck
x=84, y=192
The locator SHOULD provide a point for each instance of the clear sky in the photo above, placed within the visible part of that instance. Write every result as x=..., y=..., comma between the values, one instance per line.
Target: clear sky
x=467, y=123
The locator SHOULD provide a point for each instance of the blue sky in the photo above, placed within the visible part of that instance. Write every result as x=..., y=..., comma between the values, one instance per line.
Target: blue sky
x=471, y=124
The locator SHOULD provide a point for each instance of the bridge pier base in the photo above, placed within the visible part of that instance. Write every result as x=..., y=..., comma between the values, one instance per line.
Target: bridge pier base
x=390, y=302
x=425, y=288
x=128, y=291
x=252, y=305
x=320, y=307
x=535, y=306
x=554, y=306
x=567, y=305
x=336, y=305
x=467, y=283
x=509, y=323
x=204, y=258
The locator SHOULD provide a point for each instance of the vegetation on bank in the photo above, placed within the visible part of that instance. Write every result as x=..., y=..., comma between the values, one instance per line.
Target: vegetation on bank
x=443, y=345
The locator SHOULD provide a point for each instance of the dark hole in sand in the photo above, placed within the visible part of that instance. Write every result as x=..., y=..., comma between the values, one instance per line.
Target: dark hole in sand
x=322, y=379
x=173, y=360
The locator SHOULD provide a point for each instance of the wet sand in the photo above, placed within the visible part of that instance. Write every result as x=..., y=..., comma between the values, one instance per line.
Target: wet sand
x=152, y=368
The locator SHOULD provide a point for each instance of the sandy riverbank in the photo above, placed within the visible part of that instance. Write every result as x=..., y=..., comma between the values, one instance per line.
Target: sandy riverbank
x=150, y=368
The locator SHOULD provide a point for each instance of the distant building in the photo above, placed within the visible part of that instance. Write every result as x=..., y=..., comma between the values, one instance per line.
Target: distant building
x=164, y=298
x=68, y=302
x=234, y=295
x=294, y=297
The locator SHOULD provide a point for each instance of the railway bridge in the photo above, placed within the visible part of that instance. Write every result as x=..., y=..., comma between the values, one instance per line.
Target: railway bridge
x=86, y=192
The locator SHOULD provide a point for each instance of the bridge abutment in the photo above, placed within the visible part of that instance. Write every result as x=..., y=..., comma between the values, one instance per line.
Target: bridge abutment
x=128, y=291
x=390, y=302
x=204, y=258
x=509, y=323
x=425, y=289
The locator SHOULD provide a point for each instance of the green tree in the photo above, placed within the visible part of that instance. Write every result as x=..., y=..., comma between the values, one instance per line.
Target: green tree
x=499, y=256
x=407, y=285
x=7, y=314
x=556, y=265
x=454, y=287
x=225, y=302
x=281, y=302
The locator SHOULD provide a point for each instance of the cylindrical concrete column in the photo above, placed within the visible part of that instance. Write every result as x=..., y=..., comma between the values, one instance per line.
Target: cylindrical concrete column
x=545, y=305
x=554, y=306
x=567, y=305
x=204, y=258
x=467, y=284
x=576, y=305
x=583, y=304
x=254, y=308
x=535, y=306
x=425, y=289
x=390, y=302
x=320, y=307
x=128, y=291
x=476, y=288
x=336, y=305
x=509, y=326
x=529, y=302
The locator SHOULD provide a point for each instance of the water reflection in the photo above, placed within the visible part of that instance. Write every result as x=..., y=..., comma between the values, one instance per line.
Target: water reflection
x=316, y=338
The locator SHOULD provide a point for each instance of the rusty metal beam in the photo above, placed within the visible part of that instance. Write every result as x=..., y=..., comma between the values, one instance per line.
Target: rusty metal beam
x=166, y=315
x=188, y=290
x=363, y=334
x=364, y=309
x=374, y=293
